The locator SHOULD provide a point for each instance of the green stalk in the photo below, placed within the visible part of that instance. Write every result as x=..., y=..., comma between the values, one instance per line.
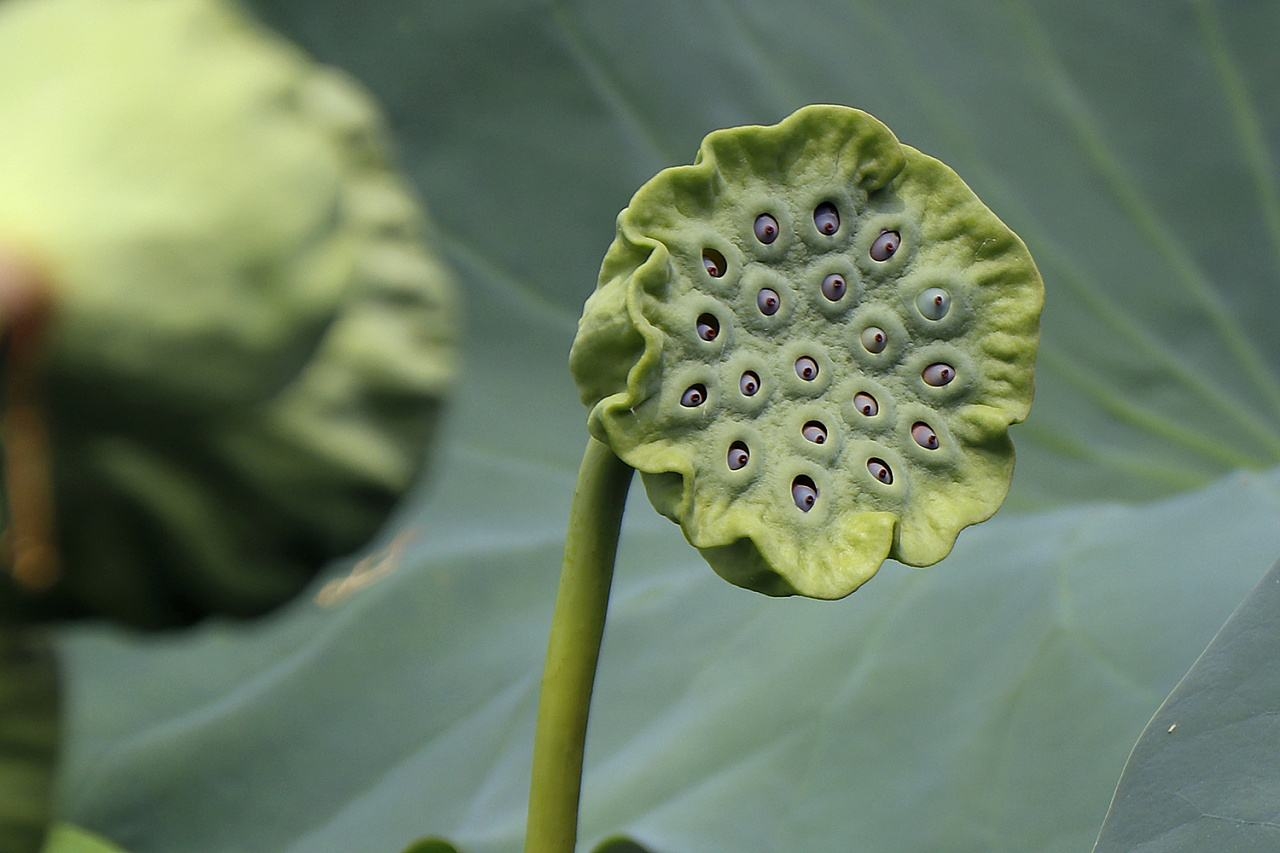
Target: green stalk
x=576, y=631
x=29, y=694
x=29, y=717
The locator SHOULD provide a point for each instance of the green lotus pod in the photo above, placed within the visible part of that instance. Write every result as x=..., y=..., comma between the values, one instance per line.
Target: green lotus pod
x=249, y=339
x=811, y=343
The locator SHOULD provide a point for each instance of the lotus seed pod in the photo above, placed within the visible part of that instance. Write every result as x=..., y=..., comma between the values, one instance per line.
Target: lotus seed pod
x=250, y=338
x=843, y=421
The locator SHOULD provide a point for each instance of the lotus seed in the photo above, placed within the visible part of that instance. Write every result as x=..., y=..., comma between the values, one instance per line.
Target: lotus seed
x=714, y=263
x=924, y=435
x=938, y=374
x=768, y=301
x=738, y=456
x=749, y=384
x=708, y=327
x=815, y=432
x=804, y=492
x=694, y=396
x=880, y=470
x=827, y=218
x=834, y=287
x=806, y=368
x=885, y=245
x=934, y=303
x=766, y=228
x=874, y=339
x=866, y=404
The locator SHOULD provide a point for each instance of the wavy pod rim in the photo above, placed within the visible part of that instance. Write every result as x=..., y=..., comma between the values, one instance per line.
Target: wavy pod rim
x=954, y=290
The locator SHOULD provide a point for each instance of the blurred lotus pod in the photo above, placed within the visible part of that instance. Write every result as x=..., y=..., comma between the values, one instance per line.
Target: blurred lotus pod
x=811, y=343
x=247, y=339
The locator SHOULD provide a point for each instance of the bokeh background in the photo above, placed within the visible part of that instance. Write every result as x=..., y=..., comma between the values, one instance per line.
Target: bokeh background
x=987, y=704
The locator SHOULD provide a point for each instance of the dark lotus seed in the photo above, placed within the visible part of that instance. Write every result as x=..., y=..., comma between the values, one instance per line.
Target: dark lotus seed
x=924, y=435
x=804, y=492
x=738, y=456
x=885, y=245
x=749, y=384
x=934, y=303
x=766, y=228
x=880, y=471
x=815, y=432
x=694, y=396
x=806, y=368
x=708, y=327
x=866, y=404
x=938, y=374
x=827, y=218
x=768, y=301
x=714, y=263
x=874, y=339
x=834, y=287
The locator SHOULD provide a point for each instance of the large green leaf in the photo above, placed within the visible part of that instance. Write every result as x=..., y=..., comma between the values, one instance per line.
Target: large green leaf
x=1205, y=774
x=987, y=704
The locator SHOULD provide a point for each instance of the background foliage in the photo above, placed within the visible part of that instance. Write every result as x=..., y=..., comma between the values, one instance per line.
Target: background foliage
x=984, y=705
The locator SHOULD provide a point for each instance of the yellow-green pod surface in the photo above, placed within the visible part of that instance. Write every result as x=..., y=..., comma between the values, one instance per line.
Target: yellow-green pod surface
x=811, y=343
x=250, y=338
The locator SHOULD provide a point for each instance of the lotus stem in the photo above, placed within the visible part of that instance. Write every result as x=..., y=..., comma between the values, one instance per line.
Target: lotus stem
x=29, y=724
x=577, y=629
